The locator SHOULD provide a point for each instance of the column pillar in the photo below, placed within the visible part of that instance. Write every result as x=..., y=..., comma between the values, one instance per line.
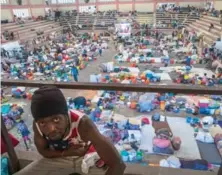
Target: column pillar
x=77, y=5
x=11, y=9
x=29, y=6
x=154, y=6
x=133, y=5
x=97, y=5
x=117, y=5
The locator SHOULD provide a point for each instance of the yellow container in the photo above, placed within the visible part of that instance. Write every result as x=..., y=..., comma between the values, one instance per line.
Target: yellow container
x=162, y=105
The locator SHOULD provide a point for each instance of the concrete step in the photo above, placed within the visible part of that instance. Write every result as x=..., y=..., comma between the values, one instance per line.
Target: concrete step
x=206, y=23
x=206, y=27
x=207, y=39
x=41, y=28
x=215, y=23
x=168, y=18
x=17, y=26
x=172, y=13
x=34, y=35
x=182, y=16
x=205, y=32
x=13, y=23
x=211, y=18
x=66, y=166
x=28, y=29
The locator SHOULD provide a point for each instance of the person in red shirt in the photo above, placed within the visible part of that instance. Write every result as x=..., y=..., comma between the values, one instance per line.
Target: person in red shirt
x=59, y=132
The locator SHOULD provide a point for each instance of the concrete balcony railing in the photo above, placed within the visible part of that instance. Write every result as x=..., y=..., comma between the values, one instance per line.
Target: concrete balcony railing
x=44, y=167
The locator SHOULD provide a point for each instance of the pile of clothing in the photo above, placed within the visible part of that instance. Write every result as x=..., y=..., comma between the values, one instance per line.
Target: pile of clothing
x=209, y=107
x=107, y=67
x=11, y=114
x=186, y=77
x=126, y=136
x=204, y=135
x=146, y=102
x=165, y=143
x=174, y=162
x=18, y=92
x=79, y=103
x=150, y=77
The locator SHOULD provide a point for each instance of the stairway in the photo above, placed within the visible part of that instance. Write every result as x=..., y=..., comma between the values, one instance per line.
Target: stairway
x=144, y=18
x=202, y=25
x=77, y=19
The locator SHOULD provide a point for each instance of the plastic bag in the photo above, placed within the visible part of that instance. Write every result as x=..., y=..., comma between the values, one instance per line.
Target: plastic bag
x=145, y=106
x=204, y=137
x=4, y=166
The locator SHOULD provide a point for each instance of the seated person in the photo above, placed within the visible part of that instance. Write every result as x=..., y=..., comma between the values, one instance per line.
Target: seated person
x=6, y=35
x=20, y=21
x=11, y=36
x=60, y=133
x=211, y=26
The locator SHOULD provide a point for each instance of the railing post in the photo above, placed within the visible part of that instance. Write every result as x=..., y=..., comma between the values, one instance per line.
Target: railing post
x=13, y=159
x=18, y=35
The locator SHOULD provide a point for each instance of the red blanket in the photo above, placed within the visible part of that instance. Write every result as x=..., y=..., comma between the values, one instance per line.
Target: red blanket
x=15, y=142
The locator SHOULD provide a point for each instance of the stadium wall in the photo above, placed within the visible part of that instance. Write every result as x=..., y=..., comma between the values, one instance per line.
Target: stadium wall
x=218, y=4
x=37, y=7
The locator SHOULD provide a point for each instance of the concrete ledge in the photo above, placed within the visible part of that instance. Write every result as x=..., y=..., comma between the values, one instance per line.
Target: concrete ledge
x=69, y=165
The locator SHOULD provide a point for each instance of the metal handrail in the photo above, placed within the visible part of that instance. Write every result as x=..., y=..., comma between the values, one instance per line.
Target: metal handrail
x=160, y=88
x=13, y=159
x=99, y=86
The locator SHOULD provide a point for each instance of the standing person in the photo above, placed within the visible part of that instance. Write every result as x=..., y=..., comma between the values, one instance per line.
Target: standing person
x=188, y=60
x=173, y=35
x=157, y=34
x=204, y=79
x=75, y=73
x=60, y=133
x=23, y=130
x=84, y=52
x=116, y=45
x=100, y=50
x=47, y=2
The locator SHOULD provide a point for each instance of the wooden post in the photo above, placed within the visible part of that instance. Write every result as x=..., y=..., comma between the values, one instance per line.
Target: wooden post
x=13, y=159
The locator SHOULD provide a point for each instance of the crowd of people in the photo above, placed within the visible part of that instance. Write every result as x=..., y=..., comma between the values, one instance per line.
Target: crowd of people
x=59, y=60
x=172, y=8
x=62, y=60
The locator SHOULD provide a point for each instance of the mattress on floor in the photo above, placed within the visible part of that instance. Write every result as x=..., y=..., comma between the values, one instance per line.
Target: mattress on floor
x=188, y=148
x=209, y=152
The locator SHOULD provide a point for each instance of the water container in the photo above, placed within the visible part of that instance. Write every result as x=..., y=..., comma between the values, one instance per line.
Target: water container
x=149, y=75
x=125, y=155
x=139, y=156
x=188, y=119
x=162, y=105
